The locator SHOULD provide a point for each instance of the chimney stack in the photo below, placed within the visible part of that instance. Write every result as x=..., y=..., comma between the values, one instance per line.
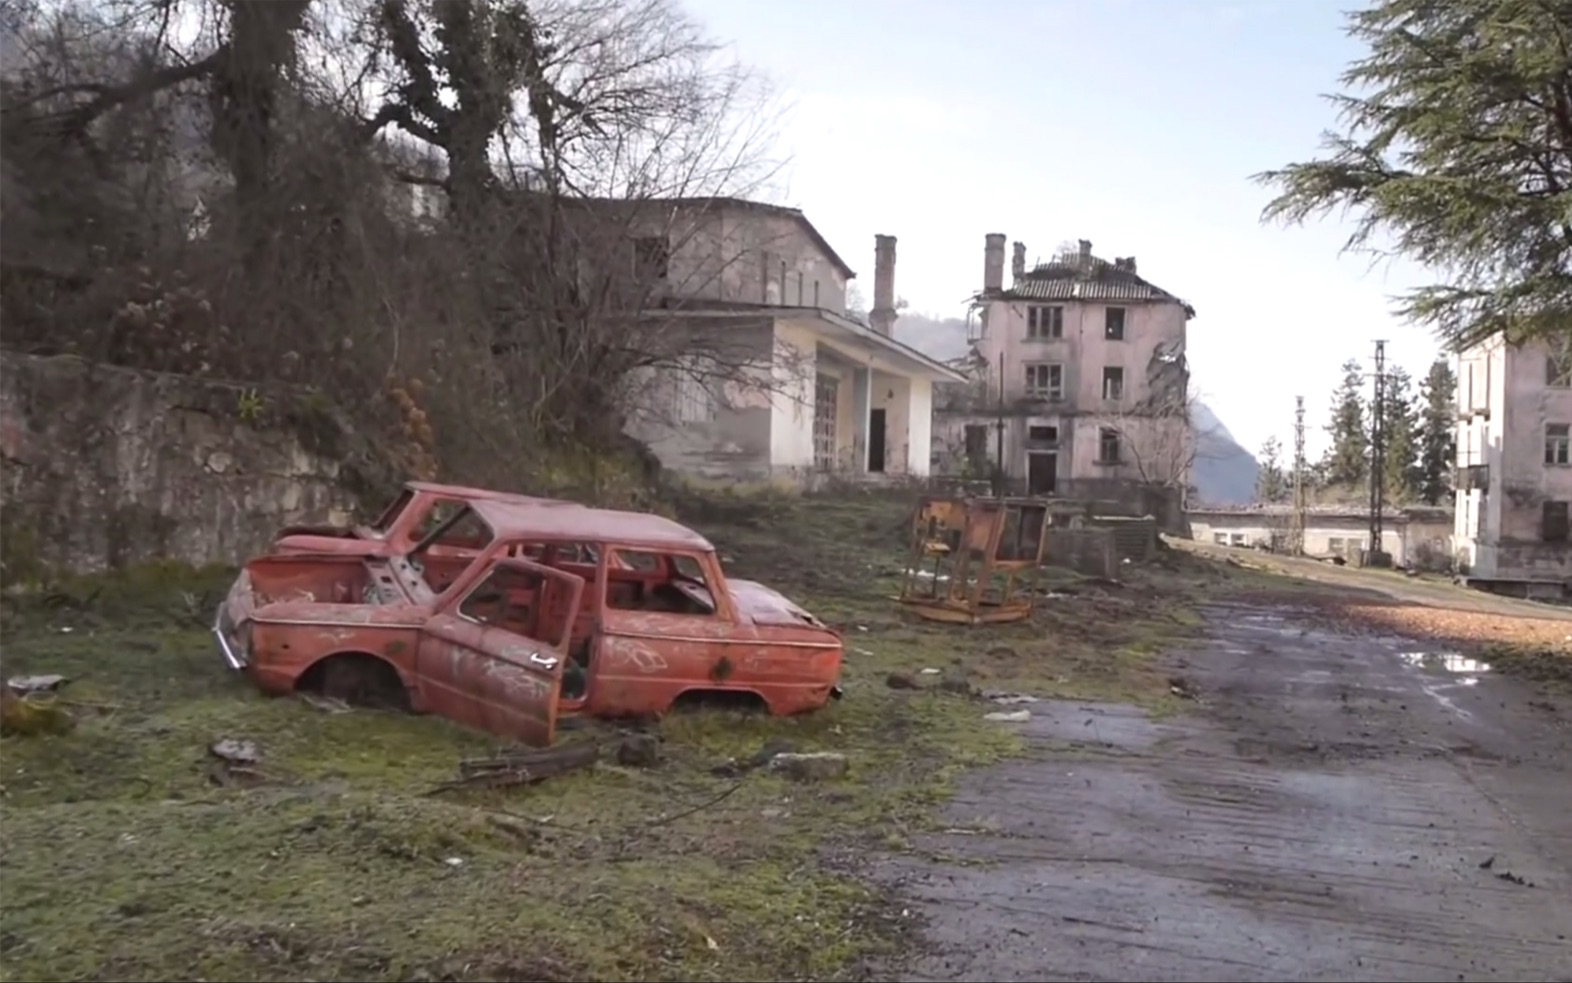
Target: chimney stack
x=1018, y=261
x=1086, y=254
x=882, y=317
x=993, y=262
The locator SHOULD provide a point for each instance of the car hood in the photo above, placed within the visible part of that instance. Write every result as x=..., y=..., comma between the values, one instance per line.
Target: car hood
x=766, y=606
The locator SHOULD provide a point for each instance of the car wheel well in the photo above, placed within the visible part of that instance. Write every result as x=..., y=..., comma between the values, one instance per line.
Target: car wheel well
x=700, y=698
x=359, y=678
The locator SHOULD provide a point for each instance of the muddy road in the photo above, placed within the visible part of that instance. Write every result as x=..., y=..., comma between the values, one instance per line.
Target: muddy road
x=1334, y=808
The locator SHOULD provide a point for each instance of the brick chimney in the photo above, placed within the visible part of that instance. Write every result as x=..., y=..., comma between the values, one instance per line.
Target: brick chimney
x=993, y=262
x=1086, y=254
x=882, y=317
x=1018, y=261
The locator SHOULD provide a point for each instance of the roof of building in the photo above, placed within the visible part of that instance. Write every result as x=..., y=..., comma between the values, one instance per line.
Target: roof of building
x=1067, y=278
x=796, y=214
x=547, y=519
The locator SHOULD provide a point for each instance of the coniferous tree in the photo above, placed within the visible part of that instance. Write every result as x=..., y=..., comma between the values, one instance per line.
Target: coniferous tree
x=1271, y=483
x=1400, y=466
x=1437, y=433
x=1453, y=151
x=1347, y=460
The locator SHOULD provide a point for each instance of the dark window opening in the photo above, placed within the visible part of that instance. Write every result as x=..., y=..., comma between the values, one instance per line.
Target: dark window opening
x=1108, y=446
x=1113, y=324
x=1553, y=522
x=1113, y=383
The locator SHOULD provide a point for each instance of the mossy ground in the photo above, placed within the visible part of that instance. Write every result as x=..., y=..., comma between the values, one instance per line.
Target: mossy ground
x=125, y=853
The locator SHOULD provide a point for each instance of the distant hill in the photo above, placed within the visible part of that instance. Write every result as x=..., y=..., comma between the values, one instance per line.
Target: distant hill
x=1224, y=471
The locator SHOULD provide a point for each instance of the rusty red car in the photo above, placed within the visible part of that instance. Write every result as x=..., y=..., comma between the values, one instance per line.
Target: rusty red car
x=541, y=610
x=420, y=507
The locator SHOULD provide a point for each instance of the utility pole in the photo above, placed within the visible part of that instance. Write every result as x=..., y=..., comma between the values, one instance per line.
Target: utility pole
x=998, y=470
x=1296, y=528
x=1377, y=556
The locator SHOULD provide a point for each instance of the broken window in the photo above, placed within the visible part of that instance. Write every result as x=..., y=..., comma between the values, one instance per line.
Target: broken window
x=826, y=390
x=1553, y=522
x=670, y=583
x=651, y=258
x=1557, y=438
x=1113, y=383
x=1220, y=538
x=1108, y=446
x=508, y=597
x=393, y=511
x=1045, y=380
x=1042, y=434
x=1044, y=322
x=1558, y=369
x=1113, y=323
x=977, y=447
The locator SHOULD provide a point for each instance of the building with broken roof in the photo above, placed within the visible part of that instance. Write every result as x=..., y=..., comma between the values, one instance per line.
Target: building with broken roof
x=1078, y=383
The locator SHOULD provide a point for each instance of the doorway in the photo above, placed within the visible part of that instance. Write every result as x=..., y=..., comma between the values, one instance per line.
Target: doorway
x=876, y=441
x=1042, y=473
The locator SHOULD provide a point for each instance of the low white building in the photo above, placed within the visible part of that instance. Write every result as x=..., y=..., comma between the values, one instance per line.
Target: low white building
x=1514, y=466
x=835, y=396
x=1419, y=537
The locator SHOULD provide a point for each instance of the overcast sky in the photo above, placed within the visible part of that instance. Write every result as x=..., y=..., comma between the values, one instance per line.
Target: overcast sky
x=1132, y=123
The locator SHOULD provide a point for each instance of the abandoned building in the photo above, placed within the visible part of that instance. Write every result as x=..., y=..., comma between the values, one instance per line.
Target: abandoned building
x=1419, y=537
x=1514, y=466
x=785, y=386
x=1077, y=382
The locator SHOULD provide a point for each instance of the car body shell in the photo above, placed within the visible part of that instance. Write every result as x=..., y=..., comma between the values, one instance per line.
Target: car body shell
x=290, y=613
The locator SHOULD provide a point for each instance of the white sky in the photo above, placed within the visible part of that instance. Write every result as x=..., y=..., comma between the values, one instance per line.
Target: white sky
x=1132, y=123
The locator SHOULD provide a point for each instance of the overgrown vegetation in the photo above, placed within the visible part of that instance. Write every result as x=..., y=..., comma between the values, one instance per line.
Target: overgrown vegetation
x=453, y=218
x=129, y=852
x=1456, y=151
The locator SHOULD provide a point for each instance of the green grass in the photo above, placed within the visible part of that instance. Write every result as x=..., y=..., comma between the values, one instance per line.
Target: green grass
x=127, y=853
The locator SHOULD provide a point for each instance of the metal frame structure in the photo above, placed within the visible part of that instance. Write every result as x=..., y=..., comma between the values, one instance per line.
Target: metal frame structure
x=974, y=560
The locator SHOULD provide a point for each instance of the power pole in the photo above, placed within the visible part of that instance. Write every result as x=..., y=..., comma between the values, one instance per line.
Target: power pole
x=1377, y=556
x=1296, y=527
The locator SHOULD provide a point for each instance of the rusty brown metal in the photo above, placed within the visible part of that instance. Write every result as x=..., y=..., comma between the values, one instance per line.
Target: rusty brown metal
x=974, y=560
x=514, y=611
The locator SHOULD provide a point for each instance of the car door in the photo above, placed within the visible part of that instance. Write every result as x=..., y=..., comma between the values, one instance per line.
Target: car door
x=492, y=657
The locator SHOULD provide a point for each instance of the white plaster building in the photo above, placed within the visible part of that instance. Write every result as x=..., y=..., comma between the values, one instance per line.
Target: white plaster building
x=1514, y=466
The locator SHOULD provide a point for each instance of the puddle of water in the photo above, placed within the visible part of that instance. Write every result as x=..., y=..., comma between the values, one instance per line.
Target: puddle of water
x=1466, y=669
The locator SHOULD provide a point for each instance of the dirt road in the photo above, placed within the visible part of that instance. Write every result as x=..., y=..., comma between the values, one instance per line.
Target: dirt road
x=1334, y=808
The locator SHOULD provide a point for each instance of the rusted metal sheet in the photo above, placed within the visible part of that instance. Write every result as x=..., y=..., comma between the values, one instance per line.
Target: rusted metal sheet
x=974, y=560
x=617, y=614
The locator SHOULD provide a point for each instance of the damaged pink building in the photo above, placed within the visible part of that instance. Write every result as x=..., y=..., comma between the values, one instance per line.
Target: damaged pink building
x=1078, y=383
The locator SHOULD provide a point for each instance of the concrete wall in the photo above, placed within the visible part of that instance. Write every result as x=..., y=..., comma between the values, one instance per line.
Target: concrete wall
x=1504, y=407
x=1157, y=450
x=1421, y=542
x=108, y=467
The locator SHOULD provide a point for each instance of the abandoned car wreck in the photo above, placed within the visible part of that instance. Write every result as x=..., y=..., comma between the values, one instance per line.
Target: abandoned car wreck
x=510, y=613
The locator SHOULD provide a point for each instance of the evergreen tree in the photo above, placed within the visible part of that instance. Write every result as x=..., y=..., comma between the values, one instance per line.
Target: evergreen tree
x=1453, y=152
x=1271, y=483
x=1400, y=468
x=1437, y=433
x=1347, y=460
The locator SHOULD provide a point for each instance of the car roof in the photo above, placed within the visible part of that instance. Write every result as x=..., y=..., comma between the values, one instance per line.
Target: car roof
x=462, y=491
x=545, y=518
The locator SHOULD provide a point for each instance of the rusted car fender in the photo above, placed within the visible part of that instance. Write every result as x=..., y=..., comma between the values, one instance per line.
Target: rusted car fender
x=411, y=692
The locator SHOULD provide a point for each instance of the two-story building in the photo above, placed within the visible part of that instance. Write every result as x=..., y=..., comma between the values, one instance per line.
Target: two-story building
x=1514, y=466
x=805, y=390
x=1079, y=385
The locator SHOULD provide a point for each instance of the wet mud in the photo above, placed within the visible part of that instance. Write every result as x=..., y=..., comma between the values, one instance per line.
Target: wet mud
x=1333, y=808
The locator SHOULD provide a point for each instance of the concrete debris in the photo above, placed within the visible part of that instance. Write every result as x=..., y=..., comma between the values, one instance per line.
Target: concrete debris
x=24, y=685
x=1009, y=716
x=811, y=766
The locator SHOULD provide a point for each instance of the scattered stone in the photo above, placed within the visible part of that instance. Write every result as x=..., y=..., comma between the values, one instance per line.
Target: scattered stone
x=24, y=685
x=1181, y=687
x=956, y=681
x=812, y=766
x=901, y=680
x=1008, y=699
x=639, y=751
x=236, y=752
x=1009, y=716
